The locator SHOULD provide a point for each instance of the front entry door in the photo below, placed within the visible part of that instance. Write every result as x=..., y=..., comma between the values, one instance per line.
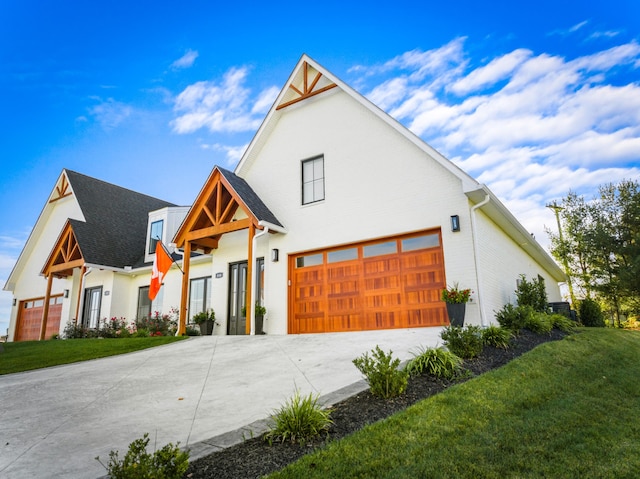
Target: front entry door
x=237, y=298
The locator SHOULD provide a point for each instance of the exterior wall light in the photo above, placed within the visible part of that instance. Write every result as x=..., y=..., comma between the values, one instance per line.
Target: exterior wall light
x=455, y=223
x=275, y=255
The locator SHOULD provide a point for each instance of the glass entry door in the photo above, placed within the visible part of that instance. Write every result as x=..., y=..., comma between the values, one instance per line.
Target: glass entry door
x=237, y=298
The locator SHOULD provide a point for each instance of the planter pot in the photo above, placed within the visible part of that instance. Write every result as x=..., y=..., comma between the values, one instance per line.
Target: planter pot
x=455, y=311
x=259, y=324
x=206, y=328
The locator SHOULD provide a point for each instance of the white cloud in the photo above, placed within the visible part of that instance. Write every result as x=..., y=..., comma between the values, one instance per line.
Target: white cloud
x=232, y=153
x=185, y=61
x=110, y=113
x=531, y=126
x=496, y=70
x=221, y=107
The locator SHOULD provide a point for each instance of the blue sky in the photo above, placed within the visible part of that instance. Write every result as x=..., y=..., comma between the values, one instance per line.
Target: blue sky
x=530, y=99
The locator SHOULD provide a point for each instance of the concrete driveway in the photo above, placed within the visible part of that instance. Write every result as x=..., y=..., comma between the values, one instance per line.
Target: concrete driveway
x=205, y=392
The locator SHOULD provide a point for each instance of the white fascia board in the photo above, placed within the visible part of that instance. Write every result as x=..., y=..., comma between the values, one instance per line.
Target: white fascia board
x=500, y=215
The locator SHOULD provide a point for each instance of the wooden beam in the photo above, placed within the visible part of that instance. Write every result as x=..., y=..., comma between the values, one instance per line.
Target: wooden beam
x=45, y=310
x=83, y=270
x=186, y=262
x=218, y=229
x=60, y=267
x=249, y=297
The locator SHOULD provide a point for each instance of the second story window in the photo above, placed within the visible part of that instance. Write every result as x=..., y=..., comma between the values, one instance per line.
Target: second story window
x=313, y=180
x=155, y=235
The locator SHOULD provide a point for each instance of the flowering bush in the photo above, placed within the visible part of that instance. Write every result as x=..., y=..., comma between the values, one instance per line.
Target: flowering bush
x=164, y=324
x=455, y=295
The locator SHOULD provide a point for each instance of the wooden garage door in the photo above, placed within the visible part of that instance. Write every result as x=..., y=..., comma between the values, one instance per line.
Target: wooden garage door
x=387, y=283
x=30, y=318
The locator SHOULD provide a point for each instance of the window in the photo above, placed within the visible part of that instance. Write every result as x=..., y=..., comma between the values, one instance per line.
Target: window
x=313, y=180
x=342, y=255
x=421, y=242
x=199, y=295
x=155, y=235
x=92, y=303
x=378, y=249
x=309, y=260
x=146, y=307
x=144, y=303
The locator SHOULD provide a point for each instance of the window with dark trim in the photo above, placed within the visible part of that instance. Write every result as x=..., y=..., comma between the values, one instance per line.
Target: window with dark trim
x=155, y=235
x=199, y=295
x=313, y=180
x=144, y=303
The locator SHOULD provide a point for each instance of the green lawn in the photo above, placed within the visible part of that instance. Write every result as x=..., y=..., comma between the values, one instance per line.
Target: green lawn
x=24, y=356
x=568, y=409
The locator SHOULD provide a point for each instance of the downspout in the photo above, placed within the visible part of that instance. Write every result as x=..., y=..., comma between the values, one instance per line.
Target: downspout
x=81, y=298
x=254, y=264
x=474, y=235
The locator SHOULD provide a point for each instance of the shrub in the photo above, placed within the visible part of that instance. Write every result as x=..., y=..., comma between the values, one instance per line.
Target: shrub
x=191, y=331
x=141, y=333
x=513, y=317
x=382, y=374
x=75, y=330
x=540, y=323
x=464, y=342
x=532, y=293
x=113, y=328
x=563, y=323
x=497, y=337
x=437, y=362
x=298, y=420
x=591, y=313
x=164, y=324
x=167, y=463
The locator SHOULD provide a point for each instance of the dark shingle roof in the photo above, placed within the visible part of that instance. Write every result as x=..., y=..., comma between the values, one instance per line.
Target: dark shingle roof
x=250, y=198
x=115, y=231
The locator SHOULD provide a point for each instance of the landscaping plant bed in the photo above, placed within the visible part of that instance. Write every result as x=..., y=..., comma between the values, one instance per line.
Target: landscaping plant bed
x=255, y=457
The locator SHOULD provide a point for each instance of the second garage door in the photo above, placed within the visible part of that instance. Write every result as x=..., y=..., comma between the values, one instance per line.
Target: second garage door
x=387, y=283
x=30, y=319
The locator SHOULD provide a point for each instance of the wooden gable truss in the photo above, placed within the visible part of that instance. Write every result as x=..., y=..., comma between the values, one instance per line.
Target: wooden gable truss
x=307, y=83
x=211, y=216
x=63, y=259
x=62, y=189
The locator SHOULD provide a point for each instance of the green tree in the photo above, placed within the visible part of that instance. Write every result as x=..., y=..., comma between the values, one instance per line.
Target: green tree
x=601, y=245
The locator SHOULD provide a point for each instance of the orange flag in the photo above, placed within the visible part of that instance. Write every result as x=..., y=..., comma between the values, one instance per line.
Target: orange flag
x=161, y=265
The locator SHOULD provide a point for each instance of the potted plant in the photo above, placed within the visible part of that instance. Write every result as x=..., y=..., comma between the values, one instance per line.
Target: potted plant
x=260, y=312
x=456, y=300
x=205, y=319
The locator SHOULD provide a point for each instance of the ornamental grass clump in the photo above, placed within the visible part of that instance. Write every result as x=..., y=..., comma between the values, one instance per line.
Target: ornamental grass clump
x=382, y=373
x=436, y=362
x=497, y=337
x=166, y=463
x=300, y=419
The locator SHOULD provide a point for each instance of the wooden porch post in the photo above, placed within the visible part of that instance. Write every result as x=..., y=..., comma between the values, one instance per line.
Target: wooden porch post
x=182, y=327
x=83, y=270
x=249, y=298
x=45, y=310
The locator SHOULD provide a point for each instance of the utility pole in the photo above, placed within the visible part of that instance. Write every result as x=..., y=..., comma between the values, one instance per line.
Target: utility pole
x=554, y=206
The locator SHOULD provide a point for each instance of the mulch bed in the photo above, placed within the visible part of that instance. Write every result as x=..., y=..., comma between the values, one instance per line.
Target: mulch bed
x=255, y=458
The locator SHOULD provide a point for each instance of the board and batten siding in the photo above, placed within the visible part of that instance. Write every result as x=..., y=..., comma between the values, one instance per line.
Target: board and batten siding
x=501, y=263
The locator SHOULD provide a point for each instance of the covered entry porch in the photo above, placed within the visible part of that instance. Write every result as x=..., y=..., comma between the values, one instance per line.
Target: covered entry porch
x=226, y=204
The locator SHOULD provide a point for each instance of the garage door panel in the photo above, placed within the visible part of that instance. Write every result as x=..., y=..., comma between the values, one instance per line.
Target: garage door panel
x=30, y=319
x=376, y=285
